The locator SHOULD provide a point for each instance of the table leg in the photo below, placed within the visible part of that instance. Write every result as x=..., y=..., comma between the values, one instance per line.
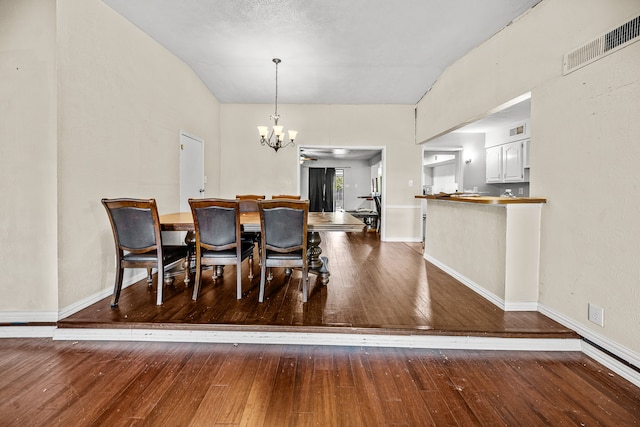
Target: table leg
x=317, y=265
x=190, y=241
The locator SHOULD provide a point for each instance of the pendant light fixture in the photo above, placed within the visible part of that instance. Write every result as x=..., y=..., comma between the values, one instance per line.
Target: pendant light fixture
x=276, y=138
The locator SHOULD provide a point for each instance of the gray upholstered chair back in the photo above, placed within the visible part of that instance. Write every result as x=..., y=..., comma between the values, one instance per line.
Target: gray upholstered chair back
x=134, y=227
x=284, y=227
x=217, y=225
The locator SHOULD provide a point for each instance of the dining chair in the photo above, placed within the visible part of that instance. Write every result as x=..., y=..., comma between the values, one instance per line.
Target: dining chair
x=283, y=225
x=136, y=231
x=249, y=203
x=285, y=196
x=218, y=240
x=378, y=201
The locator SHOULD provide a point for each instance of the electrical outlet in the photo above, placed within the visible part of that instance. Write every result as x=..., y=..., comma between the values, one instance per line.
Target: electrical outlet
x=596, y=314
x=520, y=191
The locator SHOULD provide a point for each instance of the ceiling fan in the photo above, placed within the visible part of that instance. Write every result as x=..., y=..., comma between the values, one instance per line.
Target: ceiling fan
x=306, y=158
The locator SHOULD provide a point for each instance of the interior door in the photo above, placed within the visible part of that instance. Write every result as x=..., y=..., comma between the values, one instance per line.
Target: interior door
x=192, y=177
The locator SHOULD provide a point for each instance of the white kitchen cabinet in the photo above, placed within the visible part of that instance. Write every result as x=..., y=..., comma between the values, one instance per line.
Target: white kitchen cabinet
x=505, y=163
x=494, y=164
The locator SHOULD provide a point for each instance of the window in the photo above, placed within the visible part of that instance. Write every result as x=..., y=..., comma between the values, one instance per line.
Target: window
x=338, y=190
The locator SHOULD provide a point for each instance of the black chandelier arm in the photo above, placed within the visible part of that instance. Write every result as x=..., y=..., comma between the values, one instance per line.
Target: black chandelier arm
x=276, y=144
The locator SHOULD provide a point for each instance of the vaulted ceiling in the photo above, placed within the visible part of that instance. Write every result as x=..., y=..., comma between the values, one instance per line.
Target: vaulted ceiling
x=332, y=51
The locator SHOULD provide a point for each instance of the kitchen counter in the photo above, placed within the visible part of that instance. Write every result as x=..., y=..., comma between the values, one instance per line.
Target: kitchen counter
x=485, y=200
x=490, y=244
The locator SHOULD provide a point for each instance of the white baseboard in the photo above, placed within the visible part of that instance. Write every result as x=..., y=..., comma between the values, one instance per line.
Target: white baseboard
x=616, y=366
x=605, y=343
x=27, y=331
x=20, y=317
x=490, y=296
x=480, y=290
x=92, y=299
x=402, y=239
x=520, y=306
x=28, y=316
x=310, y=338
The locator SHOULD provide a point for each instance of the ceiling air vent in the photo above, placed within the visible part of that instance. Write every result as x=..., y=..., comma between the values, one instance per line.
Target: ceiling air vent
x=610, y=42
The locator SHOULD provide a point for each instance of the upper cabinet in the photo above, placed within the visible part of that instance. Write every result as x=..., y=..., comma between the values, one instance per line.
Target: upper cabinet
x=505, y=163
x=494, y=164
x=513, y=166
x=507, y=157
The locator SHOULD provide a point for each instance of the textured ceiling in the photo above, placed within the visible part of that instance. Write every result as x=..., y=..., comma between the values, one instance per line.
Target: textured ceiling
x=332, y=51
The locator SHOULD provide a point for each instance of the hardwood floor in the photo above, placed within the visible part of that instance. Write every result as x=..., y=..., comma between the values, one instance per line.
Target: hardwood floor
x=45, y=383
x=375, y=287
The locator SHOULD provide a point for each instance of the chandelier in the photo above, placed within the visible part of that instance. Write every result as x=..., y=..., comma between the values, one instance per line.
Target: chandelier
x=277, y=131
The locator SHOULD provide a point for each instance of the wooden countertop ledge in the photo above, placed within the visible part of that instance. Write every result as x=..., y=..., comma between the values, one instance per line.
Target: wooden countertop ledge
x=486, y=200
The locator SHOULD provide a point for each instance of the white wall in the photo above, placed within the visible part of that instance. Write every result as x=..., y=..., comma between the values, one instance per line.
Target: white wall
x=28, y=253
x=444, y=178
x=123, y=100
x=585, y=129
x=249, y=167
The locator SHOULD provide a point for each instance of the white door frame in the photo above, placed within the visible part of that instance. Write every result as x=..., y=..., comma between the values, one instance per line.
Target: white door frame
x=187, y=158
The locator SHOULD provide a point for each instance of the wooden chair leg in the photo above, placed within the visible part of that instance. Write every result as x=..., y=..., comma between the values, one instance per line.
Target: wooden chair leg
x=263, y=279
x=305, y=284
x=239, y=280
x=196, y=285
x=149, y=276
x=117, y=287
x=160, y=284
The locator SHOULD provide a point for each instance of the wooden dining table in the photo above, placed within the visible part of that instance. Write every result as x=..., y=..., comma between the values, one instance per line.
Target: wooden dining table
x=317, y=222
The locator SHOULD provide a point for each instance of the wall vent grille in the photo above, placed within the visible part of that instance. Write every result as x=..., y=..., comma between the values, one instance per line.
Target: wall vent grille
x=518, y=130
x=607, y=43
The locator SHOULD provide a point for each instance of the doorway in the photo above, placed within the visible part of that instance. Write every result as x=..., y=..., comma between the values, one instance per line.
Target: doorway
x=441, y=170
x=360, y=172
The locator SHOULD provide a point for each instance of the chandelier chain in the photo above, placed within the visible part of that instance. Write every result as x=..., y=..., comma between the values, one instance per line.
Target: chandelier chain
x=276, y=116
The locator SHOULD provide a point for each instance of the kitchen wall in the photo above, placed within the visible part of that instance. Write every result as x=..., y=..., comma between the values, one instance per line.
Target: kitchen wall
x=473, y=173
x=582, y=122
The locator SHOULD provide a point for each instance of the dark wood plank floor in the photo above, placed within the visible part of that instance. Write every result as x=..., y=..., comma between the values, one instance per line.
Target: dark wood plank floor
x=378, y=287
x=45, y=383
x=374, y=286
